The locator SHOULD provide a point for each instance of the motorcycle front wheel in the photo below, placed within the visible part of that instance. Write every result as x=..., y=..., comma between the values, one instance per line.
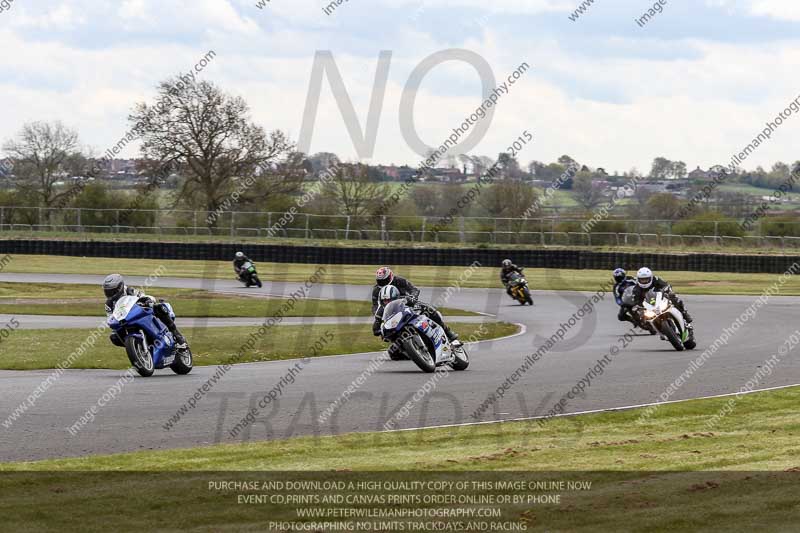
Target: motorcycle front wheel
x=668, y=328
x=139, y=356
x=528, y=297
x=461, y=361
x=184, y=362
x=418, y=352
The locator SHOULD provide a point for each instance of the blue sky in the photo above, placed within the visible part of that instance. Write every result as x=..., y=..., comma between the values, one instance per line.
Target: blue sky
x=697, y=83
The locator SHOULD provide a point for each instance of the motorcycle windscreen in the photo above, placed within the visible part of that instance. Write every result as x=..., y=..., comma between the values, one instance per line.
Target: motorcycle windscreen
x=393, y=314
x=397, y=306
x=627, y=297
x=123, y=307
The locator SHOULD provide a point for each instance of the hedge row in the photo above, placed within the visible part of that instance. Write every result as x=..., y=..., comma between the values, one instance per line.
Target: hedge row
x=571, y=259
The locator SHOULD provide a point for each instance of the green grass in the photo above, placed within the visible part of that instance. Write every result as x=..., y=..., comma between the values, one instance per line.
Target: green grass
x=40, y=349
x=84, y=300
x=670, y=473
x=430, y=276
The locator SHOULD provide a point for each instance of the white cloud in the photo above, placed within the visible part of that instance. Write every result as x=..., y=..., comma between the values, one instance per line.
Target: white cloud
x=699, y=107
x=779, y=9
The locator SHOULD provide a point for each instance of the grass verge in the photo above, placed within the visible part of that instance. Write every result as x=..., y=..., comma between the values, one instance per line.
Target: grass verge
x=83, y=300
x=668, y=473
x=429, y=276
x=40, y=349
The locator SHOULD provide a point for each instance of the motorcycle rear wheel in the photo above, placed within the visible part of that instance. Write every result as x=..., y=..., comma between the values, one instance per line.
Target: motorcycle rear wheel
x=139, y=356
x=418, y=352
x=669, y=330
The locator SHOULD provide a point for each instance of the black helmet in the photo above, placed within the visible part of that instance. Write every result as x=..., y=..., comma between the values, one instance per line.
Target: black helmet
x=114, y=286
x=620, y=275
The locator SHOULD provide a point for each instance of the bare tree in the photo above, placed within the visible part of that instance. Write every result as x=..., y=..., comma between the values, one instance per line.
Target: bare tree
x=44, y=154
x=586, y=192
x=354, y=192
x=208, y=135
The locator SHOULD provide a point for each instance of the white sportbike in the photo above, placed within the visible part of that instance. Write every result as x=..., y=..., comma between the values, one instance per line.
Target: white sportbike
x=658, y=311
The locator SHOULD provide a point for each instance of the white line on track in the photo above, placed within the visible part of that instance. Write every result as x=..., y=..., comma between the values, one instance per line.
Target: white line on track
x=592, y=411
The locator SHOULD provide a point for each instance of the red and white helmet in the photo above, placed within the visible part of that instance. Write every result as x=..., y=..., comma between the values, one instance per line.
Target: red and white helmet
x=384, y=276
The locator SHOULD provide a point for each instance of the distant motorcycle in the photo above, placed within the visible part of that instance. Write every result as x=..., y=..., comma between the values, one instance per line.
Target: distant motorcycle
x=658, y=311
x=417, y=337
x=249, y=276
x=148, y=342
x=519, y=289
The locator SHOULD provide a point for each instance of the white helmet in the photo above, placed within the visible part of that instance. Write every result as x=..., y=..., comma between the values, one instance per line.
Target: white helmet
x=239, y=255
x=644, y=278
x=388, y=294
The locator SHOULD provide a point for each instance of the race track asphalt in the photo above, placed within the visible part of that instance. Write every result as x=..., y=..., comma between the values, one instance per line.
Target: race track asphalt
x=135, y=419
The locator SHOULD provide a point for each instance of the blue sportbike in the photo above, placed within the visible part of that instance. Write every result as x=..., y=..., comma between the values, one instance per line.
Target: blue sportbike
x=420, y=339
x=148, y=342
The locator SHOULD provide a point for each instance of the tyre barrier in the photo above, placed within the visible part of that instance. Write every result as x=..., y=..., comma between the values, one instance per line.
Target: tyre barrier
x=544, y=258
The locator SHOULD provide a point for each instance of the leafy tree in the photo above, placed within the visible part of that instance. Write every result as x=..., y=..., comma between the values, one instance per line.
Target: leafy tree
x=507, y=198
x=323, y=160
x=661, y=169
x=678, y=170
x=707, y=223
x=663, y=206
x=565, y=161
x=509, y=166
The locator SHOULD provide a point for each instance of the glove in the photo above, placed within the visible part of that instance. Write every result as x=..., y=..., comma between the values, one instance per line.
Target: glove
x=411, y=300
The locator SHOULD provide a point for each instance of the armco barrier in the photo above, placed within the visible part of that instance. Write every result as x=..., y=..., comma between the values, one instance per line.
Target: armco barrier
x=545, y=258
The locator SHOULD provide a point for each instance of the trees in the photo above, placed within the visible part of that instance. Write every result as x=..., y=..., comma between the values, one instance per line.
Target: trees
x=507, y=198
x=322, y=161
x=44, y=154
x=565, y=161
x=353, y=191
x=587, y=194
x=209, y=136
x=663, y=168
x=663, y=206
x=509, y=166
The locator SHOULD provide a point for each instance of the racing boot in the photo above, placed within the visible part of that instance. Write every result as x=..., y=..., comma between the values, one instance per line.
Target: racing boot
x=452, y=336
x=180, y=340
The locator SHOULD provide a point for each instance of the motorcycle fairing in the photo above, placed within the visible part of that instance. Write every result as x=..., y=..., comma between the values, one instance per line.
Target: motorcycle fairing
x=131, y=319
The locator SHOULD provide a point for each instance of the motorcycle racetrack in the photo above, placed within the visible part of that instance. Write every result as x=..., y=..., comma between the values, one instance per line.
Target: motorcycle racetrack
x=145, y=413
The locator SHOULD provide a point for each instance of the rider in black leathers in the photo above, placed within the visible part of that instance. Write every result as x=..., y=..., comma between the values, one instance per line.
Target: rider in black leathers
x=238, y=261
x=115, y=288
x=647, y=281
x=506, y=271
x=621, y=283
x=383, y=277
